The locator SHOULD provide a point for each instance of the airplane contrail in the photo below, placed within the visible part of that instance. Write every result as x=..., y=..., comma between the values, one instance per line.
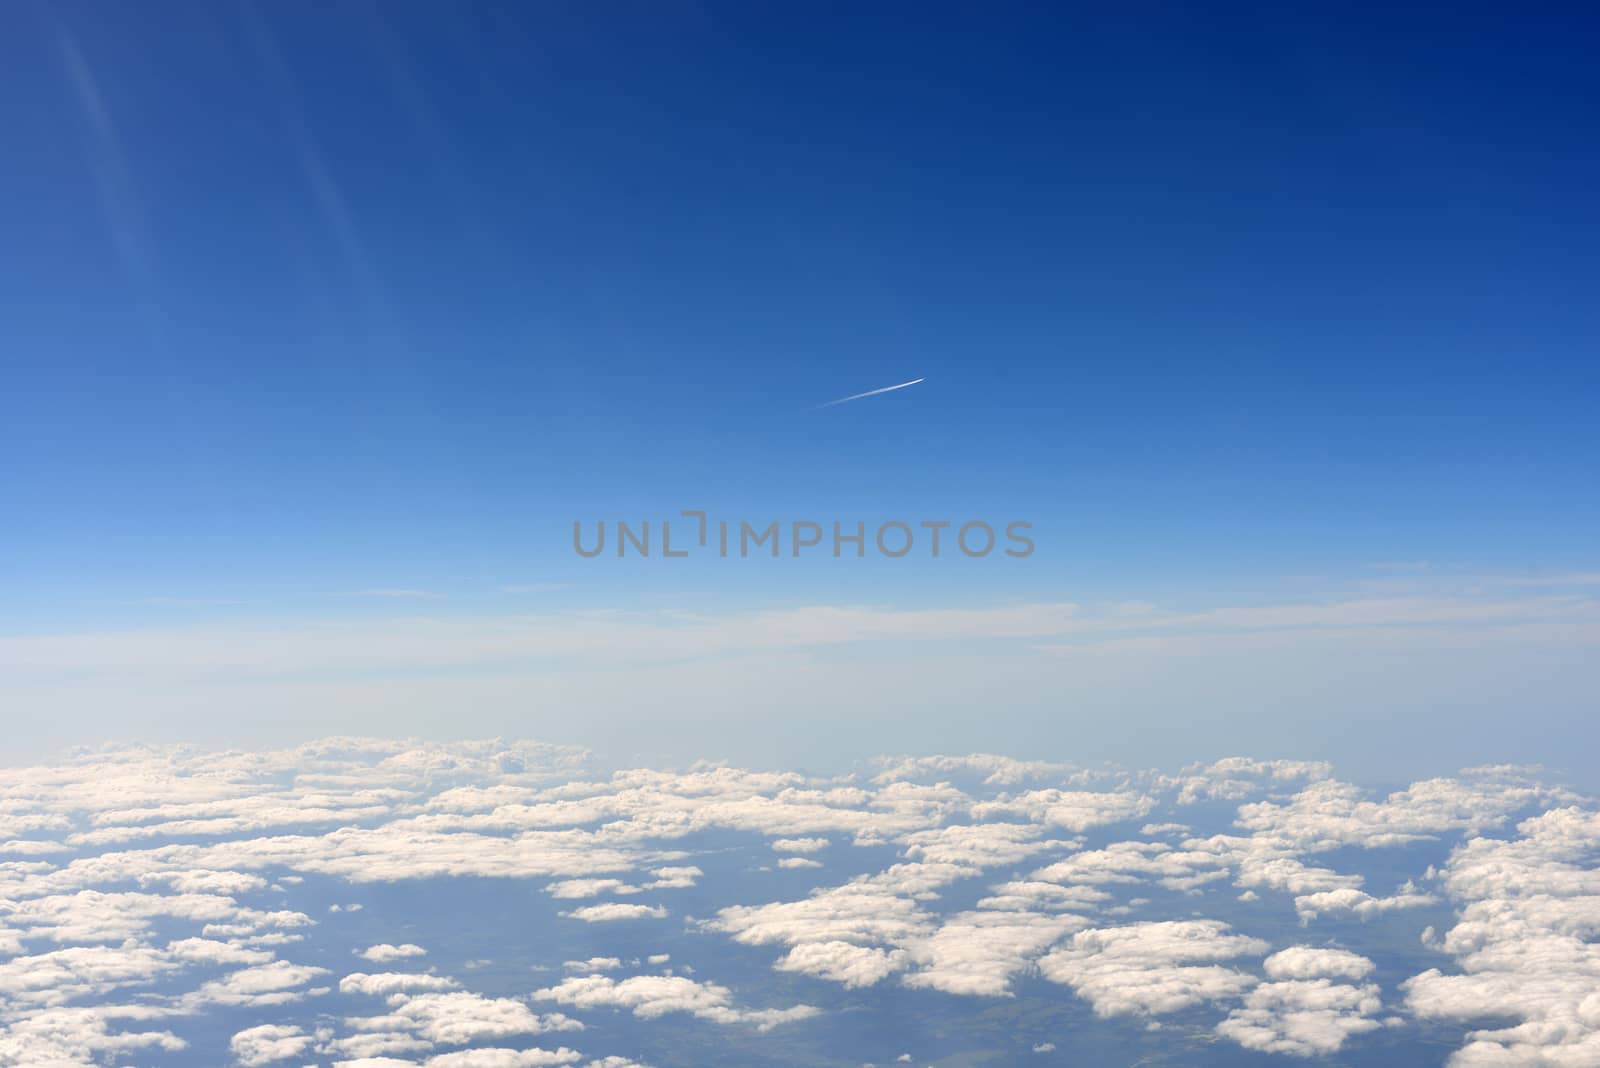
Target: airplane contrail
x=870, y=393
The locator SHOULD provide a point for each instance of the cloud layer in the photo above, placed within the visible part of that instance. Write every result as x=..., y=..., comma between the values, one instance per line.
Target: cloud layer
x=149, y=890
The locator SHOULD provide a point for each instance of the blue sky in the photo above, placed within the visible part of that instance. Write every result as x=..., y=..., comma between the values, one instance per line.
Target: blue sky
x=1240, y=309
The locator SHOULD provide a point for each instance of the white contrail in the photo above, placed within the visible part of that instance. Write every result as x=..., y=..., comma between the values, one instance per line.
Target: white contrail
x=870, y=393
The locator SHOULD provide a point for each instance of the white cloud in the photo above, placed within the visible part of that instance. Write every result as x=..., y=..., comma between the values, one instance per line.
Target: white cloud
x=977, y=953
x=73, y=1037
x=1310, y=962
x=1526, y=944
x=613, y=911
x=306, y=647
x=649, y=996
x=1148, y=968
x=373, y=1044
x=276, y=983
x=1302, y=1017
x=210, y=951
x=1359, y=903
x=460, y=1017
x=842, y=962
x=799, y=845
x=385, y=952
x=1075, y=810
x=502, y=1058
x=383, y=984
x=63, y=975
x=674, y=878
x=268, y=1043
x=175, y=895
x=576, y=889
x=593, y=964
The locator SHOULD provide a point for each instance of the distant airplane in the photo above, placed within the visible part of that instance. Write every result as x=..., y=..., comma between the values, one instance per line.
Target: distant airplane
x=871, y=393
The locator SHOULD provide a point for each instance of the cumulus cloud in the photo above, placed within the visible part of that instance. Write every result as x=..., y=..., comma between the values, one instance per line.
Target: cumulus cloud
x=79, y=1036
x=1358, y=902
x=460, y=1017
x=648, y=996
x=674, y=878
x=1150, y=968
x=383, y=984
x=1075, y=810
x=268, y=1043
x=977, y=953
x=276, y=983
x=502, y=1058
x=385, y=952
x=1302, y=1017
x=799, y=845
x=1311, y=962
x=842, y=962
x=1525, y=944
x=147, y=890
x=610, y=912
x=593, y=964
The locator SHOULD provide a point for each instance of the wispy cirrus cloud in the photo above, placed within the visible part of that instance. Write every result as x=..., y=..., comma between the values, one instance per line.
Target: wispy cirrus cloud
x=601, y=637
x=391, y=593
x=1180, y=676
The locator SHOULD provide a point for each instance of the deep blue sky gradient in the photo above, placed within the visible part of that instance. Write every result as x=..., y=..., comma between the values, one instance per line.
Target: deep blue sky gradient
x=299, y=298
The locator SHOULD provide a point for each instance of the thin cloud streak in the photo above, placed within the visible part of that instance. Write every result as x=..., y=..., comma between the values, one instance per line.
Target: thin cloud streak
x=389, y=592
x=869, y=393
x=602, y=640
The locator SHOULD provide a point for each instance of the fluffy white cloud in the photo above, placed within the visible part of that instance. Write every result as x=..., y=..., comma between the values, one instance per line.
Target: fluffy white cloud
x=842, y=962
x=147, y=888
x=1150, y=968
x=1302, y=1017
x=674, y=878
x=373, y=1044
x=612, y=911
x=977, y=953
x=383, y=984
x=65, y=975
x=268, y=1043
x=1359, y=903
x=593, y=964
x=78, y=1038
x=573, y=889
x=1235, y=778
x=1526, y=944
x=799, y=845
x=649, y=996
x=385, y=952
x=1311, y=962
x=502, y=1058
x=276, y=983
x=458, y=1018
x=1075, y=810
x=1133, y=862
